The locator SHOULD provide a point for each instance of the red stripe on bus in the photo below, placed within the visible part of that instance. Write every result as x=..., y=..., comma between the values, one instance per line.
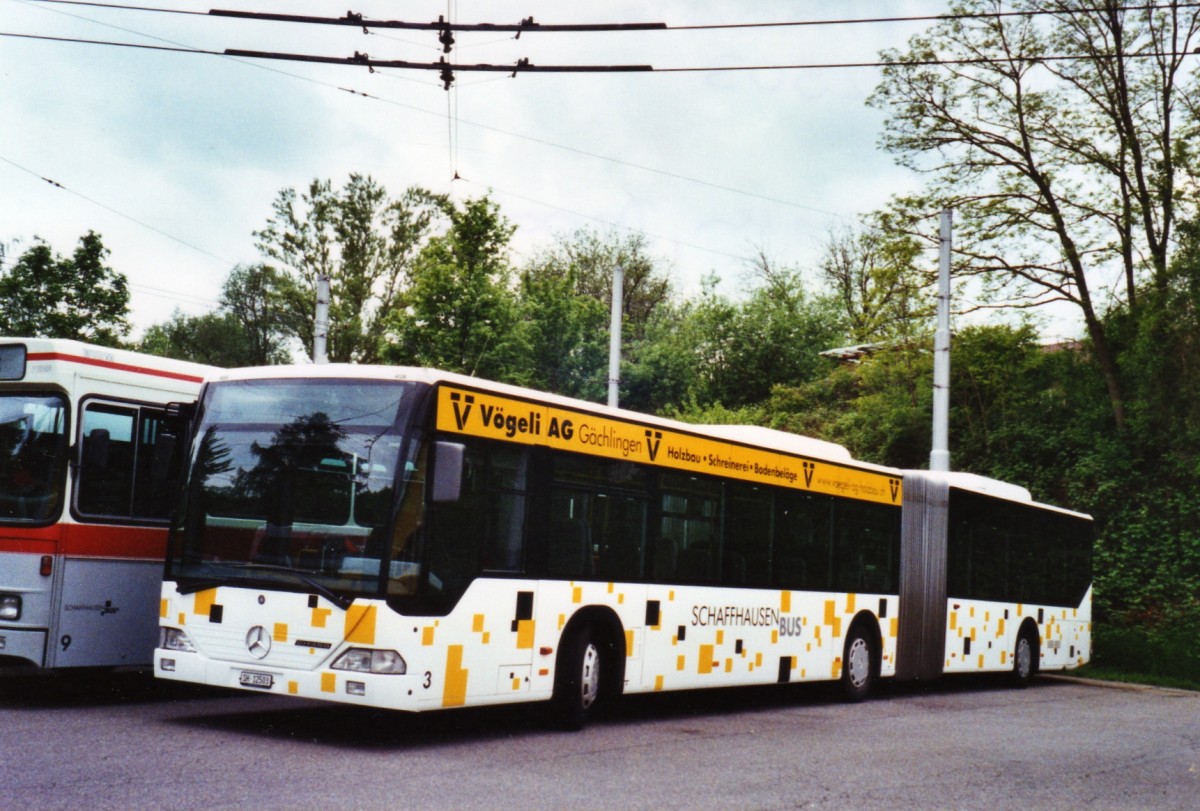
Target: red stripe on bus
x=108, y=364
x=30, y=540
x=87, y=540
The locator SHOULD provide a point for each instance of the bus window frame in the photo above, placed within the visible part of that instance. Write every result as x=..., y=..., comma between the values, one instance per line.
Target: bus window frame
x=66, y=484
x=416, y=428
x=972, y=514
x=78, y=463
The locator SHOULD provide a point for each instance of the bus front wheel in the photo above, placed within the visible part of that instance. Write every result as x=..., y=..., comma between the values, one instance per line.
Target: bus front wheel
x=578, y=680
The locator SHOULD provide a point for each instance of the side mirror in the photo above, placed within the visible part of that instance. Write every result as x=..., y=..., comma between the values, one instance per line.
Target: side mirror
x=447, y=471
x=182, y=411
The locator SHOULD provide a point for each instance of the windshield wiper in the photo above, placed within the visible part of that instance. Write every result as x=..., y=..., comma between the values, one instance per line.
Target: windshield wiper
x=339, y=600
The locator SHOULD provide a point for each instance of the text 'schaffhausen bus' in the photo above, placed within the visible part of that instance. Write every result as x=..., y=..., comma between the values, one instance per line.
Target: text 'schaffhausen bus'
x=411, y=539
x=89, y=460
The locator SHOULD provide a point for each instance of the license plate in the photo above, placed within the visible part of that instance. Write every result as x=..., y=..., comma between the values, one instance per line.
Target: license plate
x=249, y=678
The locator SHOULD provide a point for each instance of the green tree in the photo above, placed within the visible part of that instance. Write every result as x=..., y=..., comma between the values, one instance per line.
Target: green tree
x=660, y=371
x=588, y=258
x=217, y=339
x=562, y=337
x=49, y=296
x=251, y=294
x=1063, y=172
x=565, y=307
x=773, y=337
x=873, y=272
x=458, y=312
x=1142, y=484
x=363, y=241
x=247, y=330
x=721, y=356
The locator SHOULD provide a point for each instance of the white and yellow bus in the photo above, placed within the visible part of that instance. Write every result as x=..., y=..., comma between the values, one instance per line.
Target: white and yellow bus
x=89, y=463
x=411, y=539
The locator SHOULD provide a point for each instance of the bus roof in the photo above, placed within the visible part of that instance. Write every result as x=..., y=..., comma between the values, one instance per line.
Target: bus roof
x=983, y=485
x=104, y=357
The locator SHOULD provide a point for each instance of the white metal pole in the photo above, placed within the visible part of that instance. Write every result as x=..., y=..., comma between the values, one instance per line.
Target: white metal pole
x=321, y=331
x=939, y=456
x=614, y=336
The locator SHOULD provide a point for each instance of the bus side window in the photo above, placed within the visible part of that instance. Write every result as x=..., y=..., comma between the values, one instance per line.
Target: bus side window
x=459, y=528
x=748, y=532
x=958, y=559
x=803, y=535
x=868, y=547
x=597, y=522
x=990, y=562
x=484, y=529
x=106, y=473
x=507, y=474
x=689, y=529
x=569, y=545
x=130, y=462
x=160, y=452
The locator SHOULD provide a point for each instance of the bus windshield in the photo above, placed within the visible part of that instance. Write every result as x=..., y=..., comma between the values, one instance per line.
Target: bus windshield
x=33, y=455
x=293, y=484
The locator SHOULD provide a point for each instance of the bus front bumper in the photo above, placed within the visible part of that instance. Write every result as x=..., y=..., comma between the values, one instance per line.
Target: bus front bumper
x=399, y=692
x=23, y=644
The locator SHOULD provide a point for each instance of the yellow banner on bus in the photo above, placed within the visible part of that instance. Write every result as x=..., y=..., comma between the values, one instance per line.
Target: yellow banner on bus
x=491, y=416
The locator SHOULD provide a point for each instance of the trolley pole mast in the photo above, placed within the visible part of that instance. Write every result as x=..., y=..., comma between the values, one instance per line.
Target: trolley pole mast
x=939, y=456
x=614, y=336
x=321, y=327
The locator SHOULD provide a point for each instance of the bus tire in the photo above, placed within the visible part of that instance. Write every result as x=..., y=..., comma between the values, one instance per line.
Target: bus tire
x=578, y=680
x=858, y=664
x=1025, y=658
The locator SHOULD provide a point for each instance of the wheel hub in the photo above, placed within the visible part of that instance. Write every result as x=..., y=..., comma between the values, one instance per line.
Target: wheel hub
x=589, y=682
x=858, y=662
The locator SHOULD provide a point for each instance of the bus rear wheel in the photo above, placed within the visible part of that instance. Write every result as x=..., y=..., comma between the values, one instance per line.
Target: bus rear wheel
x=1024, y=659
x=578, y=680
x=858, y=665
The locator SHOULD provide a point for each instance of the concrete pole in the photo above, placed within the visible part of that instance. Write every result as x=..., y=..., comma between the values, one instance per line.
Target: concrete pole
x=939, y=456
x=321, y=332
x=614, y=336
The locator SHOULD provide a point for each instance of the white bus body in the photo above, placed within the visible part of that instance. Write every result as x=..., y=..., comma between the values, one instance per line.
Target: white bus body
x=411, y=539
x=84, y=499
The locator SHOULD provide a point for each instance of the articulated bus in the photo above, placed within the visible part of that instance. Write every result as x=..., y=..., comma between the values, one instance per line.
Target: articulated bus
x=411, y=539
x=90, y=458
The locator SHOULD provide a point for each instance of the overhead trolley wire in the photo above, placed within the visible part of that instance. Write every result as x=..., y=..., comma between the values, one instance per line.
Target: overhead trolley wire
x=112, y=210
x=136, y=45
x=488, y=127
x=120, y=7
x=359, y=21
x=524, y=66
x=529, y=25
x=924, y=18
x=362, y=59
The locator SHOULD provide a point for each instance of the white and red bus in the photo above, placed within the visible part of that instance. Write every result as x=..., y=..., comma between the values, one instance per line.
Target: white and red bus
x=411, y=539
x=89, y=462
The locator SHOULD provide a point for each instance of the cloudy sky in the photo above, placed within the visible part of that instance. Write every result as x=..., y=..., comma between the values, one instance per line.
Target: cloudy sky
x=175, y=158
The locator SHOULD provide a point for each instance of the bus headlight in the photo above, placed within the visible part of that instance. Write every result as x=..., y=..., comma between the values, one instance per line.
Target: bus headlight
x=365, y=660
x=10, y=607
x=175, y=639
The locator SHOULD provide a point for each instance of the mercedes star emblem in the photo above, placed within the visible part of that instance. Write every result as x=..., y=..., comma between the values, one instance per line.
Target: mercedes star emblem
x=258, y=642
